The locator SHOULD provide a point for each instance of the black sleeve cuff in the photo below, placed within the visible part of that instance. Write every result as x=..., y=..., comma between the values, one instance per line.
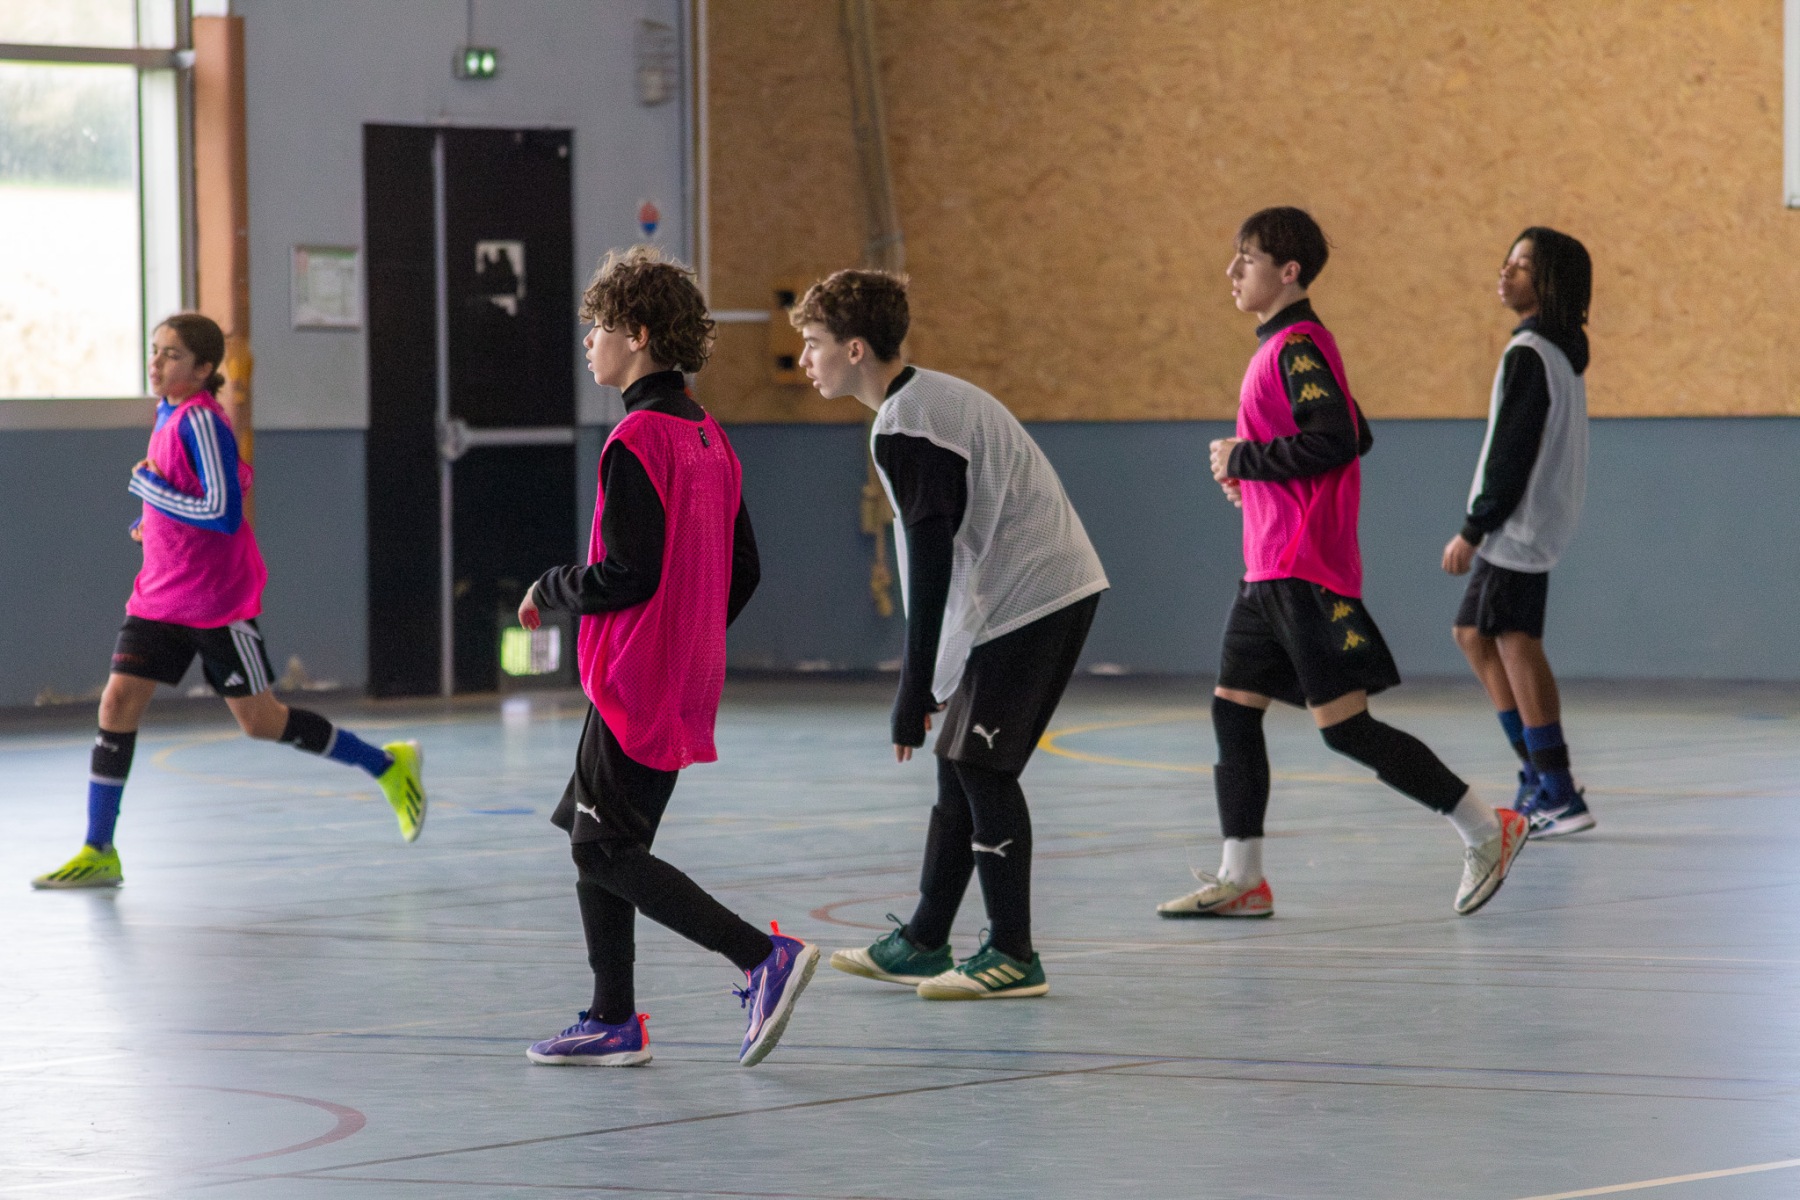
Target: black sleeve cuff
x=909, y=716
x=1472, y=535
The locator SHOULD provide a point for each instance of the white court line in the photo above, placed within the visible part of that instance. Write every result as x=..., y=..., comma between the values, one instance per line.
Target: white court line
x=1669, y=1180
x=96, y=1176
x=57, y=1062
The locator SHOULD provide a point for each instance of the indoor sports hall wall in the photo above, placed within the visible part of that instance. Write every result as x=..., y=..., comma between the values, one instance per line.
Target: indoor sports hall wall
x=315, y=73
x=1069, y=176
x=1690, y=549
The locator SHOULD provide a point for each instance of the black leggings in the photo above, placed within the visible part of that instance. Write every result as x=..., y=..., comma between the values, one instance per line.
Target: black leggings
x=619, y=881
x=980, y=823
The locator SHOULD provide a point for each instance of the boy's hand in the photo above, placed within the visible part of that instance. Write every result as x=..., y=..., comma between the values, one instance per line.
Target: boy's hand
x=1233, y=492
x=528, y=609
x=137, y=531
x=1221, y=458
x=1459, y=556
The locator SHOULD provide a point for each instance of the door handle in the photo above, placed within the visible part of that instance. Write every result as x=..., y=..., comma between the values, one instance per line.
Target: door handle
x=456, y=437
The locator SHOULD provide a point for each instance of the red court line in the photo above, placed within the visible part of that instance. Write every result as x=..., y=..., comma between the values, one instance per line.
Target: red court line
x=349, y=1122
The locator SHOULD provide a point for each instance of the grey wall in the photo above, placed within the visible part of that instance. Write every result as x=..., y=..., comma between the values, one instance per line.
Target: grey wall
x=318, y=71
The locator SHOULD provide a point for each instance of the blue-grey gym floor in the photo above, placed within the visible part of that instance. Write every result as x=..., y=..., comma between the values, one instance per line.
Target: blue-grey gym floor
x=286, y=1001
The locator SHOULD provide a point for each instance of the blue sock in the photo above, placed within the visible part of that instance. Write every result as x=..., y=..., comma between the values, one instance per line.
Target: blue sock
x=108, y=766
x=346, y=747
x=1551, y=758
x=103, y=811
x=1514, y=725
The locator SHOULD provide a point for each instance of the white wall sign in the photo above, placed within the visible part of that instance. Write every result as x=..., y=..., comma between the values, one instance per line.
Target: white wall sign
x=327, y=287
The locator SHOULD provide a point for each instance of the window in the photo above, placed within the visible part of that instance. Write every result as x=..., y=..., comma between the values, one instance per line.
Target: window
x=91, y=158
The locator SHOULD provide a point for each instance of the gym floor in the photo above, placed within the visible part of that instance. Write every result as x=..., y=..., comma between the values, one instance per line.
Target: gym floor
x=286, y=1001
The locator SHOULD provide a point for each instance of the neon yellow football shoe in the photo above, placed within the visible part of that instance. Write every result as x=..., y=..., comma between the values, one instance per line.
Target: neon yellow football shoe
x=404, y=787
x=90, y=868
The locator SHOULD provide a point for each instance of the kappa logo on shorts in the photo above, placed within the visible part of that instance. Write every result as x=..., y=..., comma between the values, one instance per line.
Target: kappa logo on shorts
x=984, y=735
x=1342, y=609
x=1353, y=639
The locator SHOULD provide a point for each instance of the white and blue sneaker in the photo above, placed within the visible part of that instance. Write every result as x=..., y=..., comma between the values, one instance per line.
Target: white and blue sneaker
x=775, y=983
x=596, y=1044
x=1531, y=792
x=1550, y=819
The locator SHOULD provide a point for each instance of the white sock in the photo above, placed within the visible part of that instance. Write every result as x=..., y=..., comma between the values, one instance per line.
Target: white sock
x=1242, y=862
x=1474, y=819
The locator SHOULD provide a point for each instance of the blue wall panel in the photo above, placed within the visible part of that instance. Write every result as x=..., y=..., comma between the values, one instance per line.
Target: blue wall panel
x=1687, y=558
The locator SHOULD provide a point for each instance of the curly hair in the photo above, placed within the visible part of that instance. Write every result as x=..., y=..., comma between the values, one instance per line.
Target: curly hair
x=870, y=305
x=642, y=288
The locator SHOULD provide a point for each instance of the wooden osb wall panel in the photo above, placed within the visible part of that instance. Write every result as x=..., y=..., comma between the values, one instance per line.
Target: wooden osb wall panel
x=1070, y=174
x=784, y=183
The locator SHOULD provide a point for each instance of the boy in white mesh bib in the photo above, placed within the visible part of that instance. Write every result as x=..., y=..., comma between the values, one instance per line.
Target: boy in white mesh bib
x=1000, y=583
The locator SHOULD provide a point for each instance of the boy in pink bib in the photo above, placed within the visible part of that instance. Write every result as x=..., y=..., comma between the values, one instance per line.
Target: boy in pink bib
x=199, y=594
x=1298, y=631
x=671, y=562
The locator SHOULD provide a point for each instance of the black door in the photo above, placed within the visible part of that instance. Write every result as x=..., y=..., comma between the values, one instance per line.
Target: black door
x=471, y=473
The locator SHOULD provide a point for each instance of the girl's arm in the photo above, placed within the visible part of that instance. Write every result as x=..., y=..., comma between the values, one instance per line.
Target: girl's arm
x=212, y=451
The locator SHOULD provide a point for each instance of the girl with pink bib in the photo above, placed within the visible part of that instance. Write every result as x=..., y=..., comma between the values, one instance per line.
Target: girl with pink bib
x=671, y=562
x=199, y=593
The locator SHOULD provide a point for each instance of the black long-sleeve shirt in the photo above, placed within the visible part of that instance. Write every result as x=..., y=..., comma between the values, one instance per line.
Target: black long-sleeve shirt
x=1329, y=437
x=1518, y=430
x=931, y=488
x=633, y=524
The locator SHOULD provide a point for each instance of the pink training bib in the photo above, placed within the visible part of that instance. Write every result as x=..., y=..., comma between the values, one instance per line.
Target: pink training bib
x=192, y=576
x=655, y=671
x=1298, y=528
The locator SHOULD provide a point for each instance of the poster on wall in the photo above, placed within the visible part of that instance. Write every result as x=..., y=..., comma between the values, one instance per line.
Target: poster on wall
x=326, y=287
x=500, y=274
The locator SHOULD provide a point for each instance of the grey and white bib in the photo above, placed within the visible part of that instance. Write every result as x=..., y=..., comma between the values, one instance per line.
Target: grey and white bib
x=1021, y=552
x=1541, y=527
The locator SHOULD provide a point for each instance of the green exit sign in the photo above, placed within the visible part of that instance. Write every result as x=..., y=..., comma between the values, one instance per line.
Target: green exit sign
x=477, y=62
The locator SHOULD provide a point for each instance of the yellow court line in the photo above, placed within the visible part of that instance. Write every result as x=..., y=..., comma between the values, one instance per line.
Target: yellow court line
x=1049, y=743
x=1670, y=1180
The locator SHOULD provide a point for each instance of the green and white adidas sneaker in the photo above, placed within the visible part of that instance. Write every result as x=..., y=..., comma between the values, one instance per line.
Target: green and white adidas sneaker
x=404, y=788
x=990, y=975
x=893, y=959
x=90, y=868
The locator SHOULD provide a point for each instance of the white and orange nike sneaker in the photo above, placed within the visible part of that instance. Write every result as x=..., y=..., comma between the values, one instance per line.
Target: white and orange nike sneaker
x=1221, y=898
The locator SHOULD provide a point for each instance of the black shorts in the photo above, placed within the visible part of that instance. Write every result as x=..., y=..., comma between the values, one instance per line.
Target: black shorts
x=612, y=798
x=233, y=656
x=1010, y=689
x=1303, y=644
x=1502, y=600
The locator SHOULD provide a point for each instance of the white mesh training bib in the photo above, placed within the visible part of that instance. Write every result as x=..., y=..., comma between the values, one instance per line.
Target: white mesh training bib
x=1021, y=552
x=1541, y=528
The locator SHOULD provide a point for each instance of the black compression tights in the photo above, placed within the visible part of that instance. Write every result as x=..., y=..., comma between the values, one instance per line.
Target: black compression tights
x=614, y=887
x=1399, y=759
x=980, y=824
